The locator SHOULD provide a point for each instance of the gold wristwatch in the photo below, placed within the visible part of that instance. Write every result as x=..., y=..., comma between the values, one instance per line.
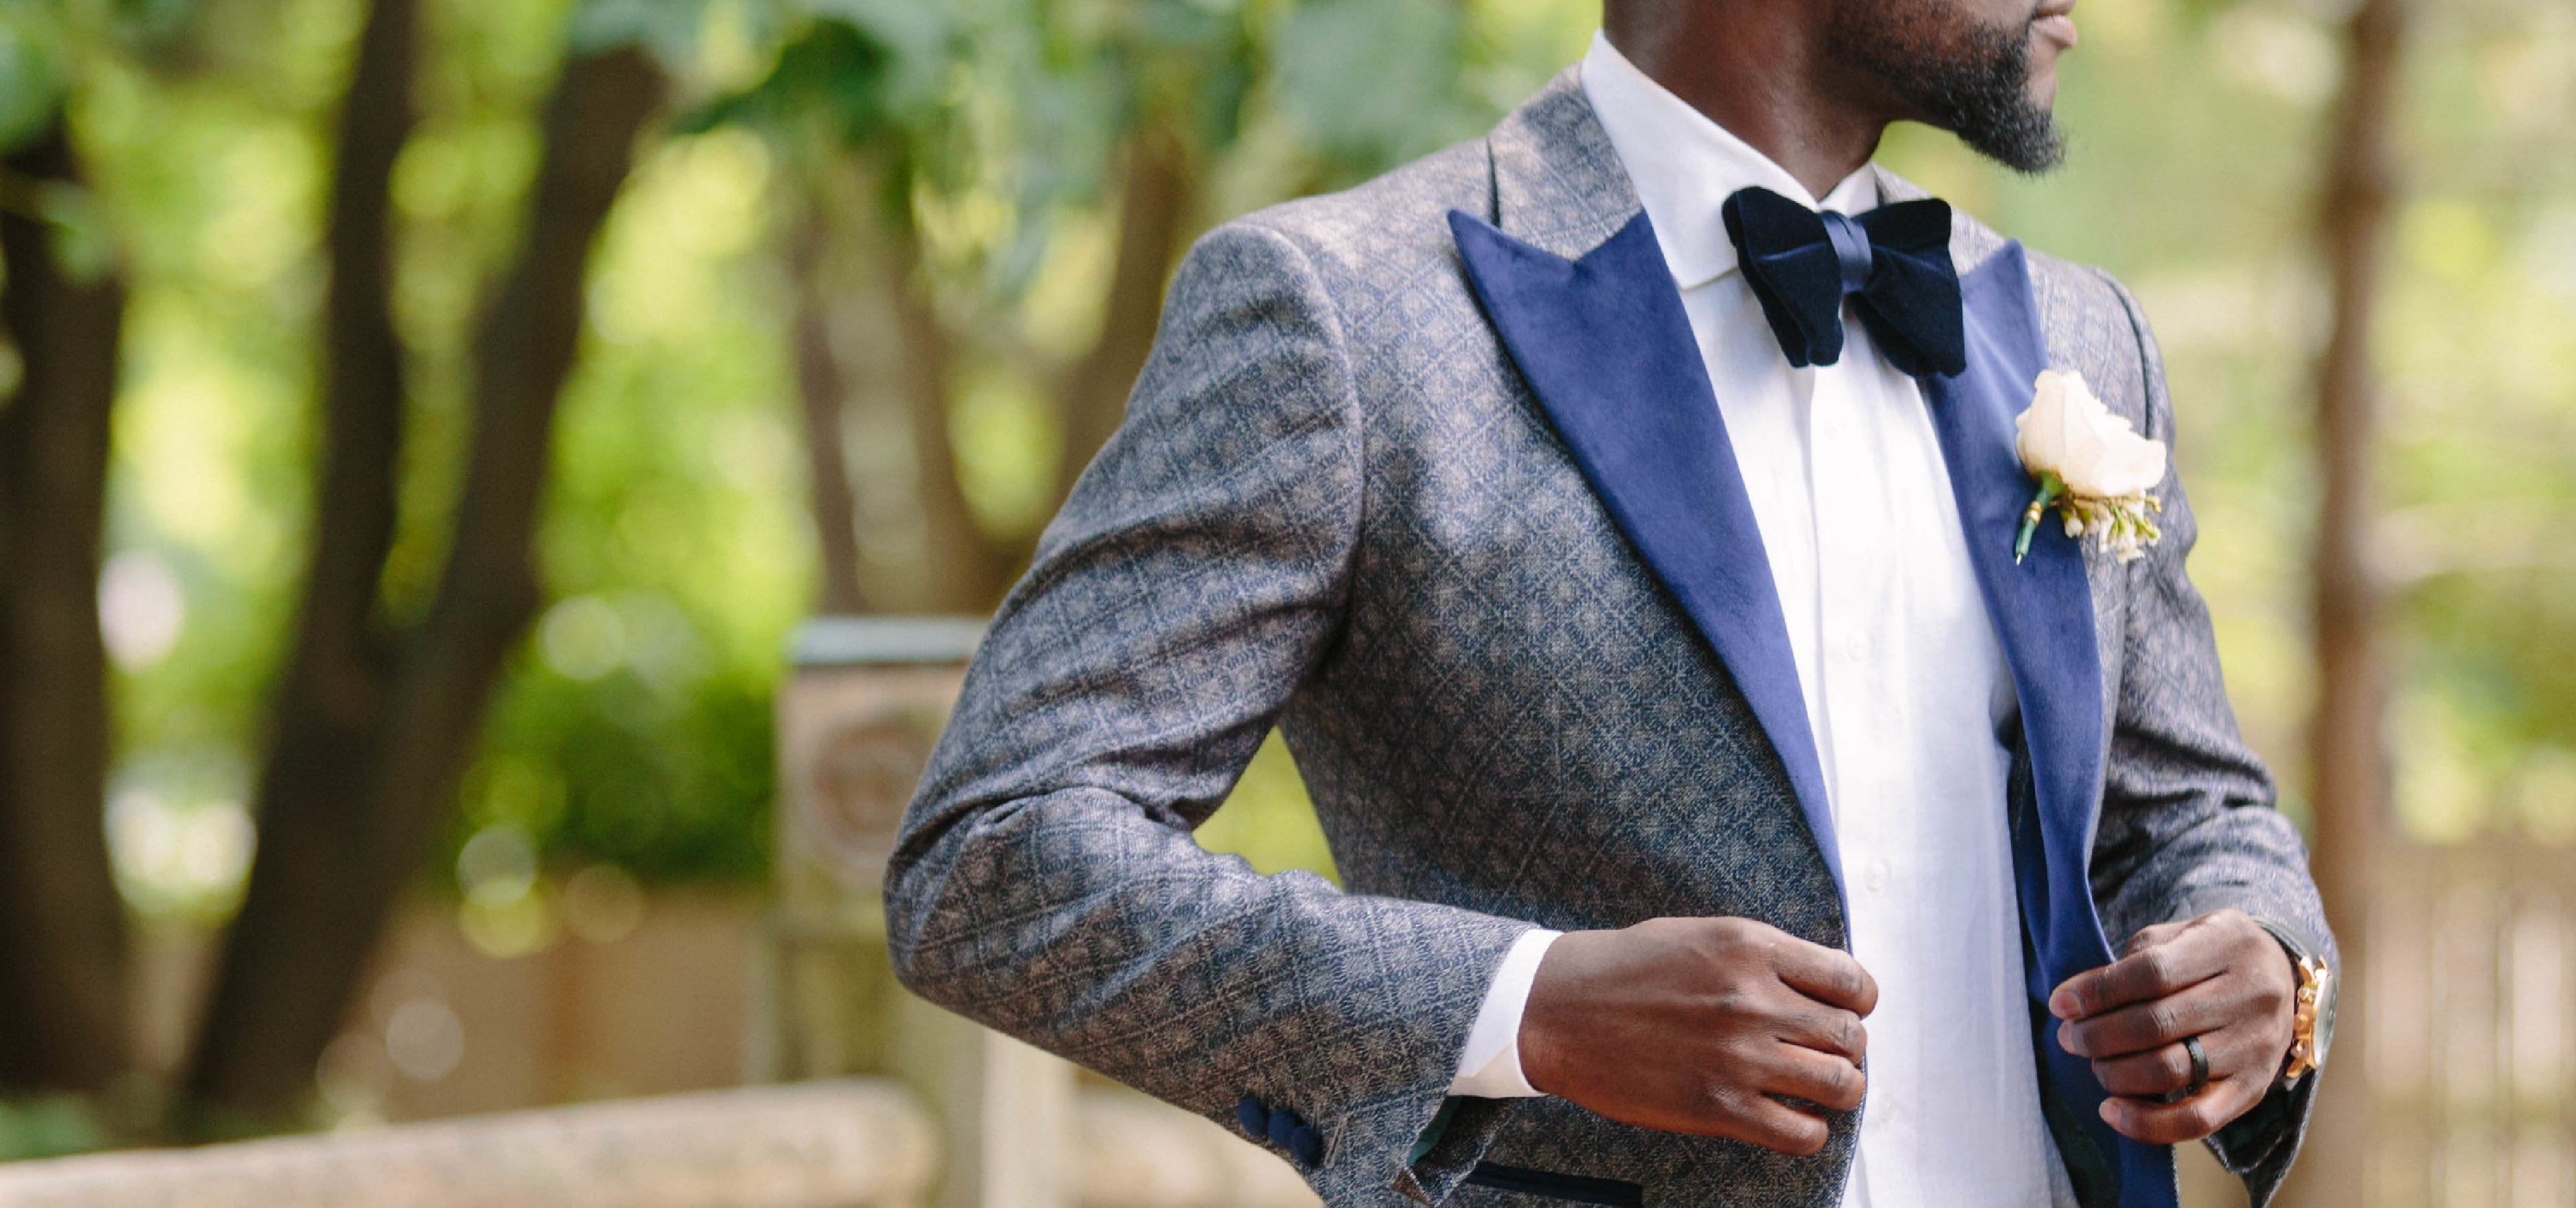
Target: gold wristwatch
x=2312, y=1022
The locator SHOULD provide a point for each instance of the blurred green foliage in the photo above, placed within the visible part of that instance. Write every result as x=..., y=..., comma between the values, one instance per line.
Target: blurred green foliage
x=635, y=728
x=49, y=1128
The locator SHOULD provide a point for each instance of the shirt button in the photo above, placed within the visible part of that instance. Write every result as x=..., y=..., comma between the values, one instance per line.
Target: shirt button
x=1876, y=877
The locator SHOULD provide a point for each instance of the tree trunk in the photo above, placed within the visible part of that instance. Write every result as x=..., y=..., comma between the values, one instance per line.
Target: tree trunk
x=344, y=818
x=1152, y=213
x=62, y=926
x=969, y=571
x=821, y=390
x=329, y=703
x=2348, y=754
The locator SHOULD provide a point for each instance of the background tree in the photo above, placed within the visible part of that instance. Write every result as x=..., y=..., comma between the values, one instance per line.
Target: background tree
x=1120, y=119
x=63, y=983
x=2348, y=741
x=377, y=718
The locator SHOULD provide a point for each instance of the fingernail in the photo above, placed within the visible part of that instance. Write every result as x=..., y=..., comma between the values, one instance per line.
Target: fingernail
x=2066, y=1039
x=2109, y=1116
x=2062, y=1004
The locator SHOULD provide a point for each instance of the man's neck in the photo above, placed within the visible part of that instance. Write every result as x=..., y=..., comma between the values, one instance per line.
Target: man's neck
x=1761, y=80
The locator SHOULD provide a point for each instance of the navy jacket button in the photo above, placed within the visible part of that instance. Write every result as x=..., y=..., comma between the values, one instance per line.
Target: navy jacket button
x=1283, y=1127
x=1308, y=1145
x=1254, y=1117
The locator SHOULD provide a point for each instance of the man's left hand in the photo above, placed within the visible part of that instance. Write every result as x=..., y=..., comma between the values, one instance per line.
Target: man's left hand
x=2220, y=977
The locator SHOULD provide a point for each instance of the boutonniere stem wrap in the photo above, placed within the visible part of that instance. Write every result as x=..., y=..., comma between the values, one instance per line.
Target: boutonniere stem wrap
x=2090, y=465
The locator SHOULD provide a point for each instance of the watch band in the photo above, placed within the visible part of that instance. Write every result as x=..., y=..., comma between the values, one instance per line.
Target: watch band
x=2312, y=1018
x=2308, y=1036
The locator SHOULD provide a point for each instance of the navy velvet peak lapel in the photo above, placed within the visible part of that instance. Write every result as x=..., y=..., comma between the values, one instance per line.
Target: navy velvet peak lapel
x=2042, y=607
x=1605, y=345
x=2043, y=616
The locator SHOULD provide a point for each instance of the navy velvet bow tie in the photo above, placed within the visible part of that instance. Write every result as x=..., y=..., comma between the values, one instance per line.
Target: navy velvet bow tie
x=1894, y=262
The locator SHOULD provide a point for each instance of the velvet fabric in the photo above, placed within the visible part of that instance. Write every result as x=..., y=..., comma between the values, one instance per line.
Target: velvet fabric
x=2042, y=609
x=1893, y=261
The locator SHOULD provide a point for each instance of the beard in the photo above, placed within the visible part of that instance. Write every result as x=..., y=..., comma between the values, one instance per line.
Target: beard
x=1946, y=70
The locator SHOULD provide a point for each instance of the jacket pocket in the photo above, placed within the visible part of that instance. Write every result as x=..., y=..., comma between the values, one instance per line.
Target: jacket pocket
x=1571, y=1188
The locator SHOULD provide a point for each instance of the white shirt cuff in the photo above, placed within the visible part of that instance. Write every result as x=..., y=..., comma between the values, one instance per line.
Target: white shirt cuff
x=1491, y=1066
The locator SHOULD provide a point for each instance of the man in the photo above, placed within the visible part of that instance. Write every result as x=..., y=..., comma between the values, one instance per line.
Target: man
x=1617, y=516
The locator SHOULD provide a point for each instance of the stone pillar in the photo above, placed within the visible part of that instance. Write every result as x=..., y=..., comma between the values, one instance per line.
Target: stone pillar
x=856, y=721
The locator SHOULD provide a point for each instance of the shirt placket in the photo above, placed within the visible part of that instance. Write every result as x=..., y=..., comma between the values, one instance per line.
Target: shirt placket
x=1851, y=546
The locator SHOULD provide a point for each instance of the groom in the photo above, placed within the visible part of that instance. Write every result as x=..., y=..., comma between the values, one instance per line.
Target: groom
x=1617, y=515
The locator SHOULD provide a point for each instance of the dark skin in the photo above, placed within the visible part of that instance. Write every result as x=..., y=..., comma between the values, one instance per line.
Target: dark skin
x=1714, y=1026
x=2219, y=977
x=1728, y=1027
x=1764, y=69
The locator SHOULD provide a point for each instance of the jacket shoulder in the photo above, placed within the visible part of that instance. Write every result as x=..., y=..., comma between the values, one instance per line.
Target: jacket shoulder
x=2093, y=325
x=2090, y=320
x=1390, y=226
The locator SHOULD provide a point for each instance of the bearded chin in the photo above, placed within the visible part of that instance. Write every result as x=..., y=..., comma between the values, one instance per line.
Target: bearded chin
x=1970, y=79
x=1989, y=105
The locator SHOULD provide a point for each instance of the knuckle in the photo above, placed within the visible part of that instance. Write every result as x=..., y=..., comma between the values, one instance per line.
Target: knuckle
x=2274, y=995
x=1725, y=1100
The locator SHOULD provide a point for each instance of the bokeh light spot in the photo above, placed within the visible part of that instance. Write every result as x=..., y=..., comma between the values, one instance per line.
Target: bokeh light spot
x=141, y=608
x=498, y=865
x=582, y=638
x=602, y=904
x=425, y=1040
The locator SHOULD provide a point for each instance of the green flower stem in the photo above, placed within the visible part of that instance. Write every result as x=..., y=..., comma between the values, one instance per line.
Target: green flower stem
x=2051, y=489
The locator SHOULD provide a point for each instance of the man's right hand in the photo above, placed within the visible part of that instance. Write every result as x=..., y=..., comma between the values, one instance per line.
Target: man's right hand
x=1700, y=1025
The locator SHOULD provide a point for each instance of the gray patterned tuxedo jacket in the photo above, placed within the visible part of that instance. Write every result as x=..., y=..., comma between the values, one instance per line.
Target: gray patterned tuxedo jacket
x=1340, y=506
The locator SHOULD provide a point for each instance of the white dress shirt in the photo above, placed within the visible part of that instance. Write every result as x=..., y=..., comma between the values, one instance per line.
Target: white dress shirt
x=1905, y=686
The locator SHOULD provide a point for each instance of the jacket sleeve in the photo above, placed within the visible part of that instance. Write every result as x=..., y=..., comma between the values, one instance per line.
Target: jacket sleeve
x=2188, y=824
x=1045, y=881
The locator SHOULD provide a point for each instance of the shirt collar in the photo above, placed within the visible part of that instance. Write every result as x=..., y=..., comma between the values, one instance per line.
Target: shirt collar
x=1685, y=166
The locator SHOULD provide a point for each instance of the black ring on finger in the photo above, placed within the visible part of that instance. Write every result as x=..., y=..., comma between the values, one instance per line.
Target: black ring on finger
x=2199, y=1065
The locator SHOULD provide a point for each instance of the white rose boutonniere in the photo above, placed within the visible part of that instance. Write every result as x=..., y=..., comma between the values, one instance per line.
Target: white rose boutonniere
x=2089, y=463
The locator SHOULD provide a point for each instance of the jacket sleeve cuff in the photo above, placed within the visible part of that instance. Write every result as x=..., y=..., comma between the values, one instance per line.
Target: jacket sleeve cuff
x=2258, y=1146
x=1364, y=1151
